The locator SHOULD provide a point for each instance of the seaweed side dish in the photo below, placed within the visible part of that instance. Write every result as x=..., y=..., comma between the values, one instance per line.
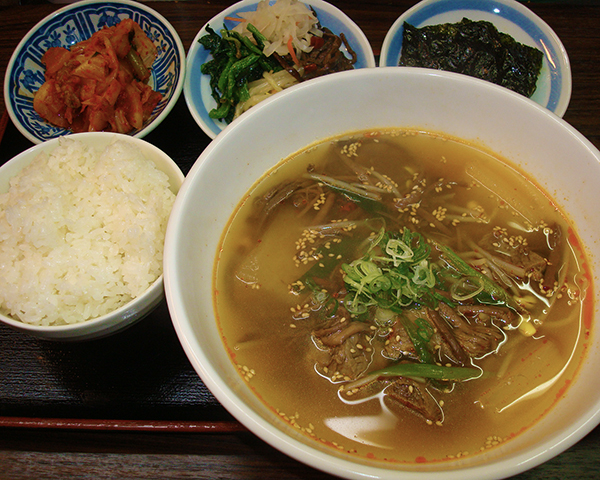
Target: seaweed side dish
x=474, y=48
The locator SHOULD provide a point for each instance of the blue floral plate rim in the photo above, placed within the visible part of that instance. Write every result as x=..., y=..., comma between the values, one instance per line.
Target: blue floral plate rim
x=69, y=25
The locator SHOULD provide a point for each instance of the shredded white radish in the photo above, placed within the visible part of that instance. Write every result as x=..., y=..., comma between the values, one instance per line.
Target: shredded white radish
x=279, y=22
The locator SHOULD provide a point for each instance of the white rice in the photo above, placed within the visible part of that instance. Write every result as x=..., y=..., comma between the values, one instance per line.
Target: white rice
x=81, y=233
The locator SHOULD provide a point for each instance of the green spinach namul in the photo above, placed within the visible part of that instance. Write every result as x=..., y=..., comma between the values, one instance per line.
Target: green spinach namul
x=236, y=62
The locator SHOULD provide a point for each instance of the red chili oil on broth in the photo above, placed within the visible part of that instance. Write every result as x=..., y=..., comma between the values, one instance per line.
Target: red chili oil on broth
x=402, y=296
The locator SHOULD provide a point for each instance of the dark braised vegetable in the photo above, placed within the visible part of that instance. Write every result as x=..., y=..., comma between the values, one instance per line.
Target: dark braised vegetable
x=326, y=57
x=474, y=48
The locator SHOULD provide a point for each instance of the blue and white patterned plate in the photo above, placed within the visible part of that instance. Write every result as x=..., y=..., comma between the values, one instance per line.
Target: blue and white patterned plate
x=72, y=24
x=553, y=89
x=197, y=89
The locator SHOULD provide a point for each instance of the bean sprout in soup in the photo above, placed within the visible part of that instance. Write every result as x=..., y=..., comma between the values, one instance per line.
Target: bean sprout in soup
x=403, y=296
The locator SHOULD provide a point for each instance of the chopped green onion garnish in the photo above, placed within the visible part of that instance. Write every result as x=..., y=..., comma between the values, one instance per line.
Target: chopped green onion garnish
x=396, y=273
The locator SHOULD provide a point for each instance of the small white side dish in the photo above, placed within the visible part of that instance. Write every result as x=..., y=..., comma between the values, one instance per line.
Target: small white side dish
x=508, y=16
x=196, y=88
x=137, y=308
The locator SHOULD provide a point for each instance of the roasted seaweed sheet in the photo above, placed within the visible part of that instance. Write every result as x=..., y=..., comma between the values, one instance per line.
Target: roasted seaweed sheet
x=474, y=48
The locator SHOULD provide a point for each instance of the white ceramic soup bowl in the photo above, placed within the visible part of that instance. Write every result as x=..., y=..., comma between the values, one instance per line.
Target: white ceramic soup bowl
x=134, y=310
x=560, y=159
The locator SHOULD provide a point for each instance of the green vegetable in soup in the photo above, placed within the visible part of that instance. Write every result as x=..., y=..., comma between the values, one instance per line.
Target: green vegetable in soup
x=422, y=370
x=496, y=293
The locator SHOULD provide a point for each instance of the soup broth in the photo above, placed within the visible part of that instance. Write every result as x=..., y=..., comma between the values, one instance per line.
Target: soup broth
x=403, y=296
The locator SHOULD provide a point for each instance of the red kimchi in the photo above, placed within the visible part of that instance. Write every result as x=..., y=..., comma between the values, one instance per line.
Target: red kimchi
x=100, y=84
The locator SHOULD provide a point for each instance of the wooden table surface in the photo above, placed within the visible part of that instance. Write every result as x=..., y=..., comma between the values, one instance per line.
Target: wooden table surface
x=131, y=406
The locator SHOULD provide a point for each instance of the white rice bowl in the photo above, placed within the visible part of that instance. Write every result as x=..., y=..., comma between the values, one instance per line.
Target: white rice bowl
x=82, y=230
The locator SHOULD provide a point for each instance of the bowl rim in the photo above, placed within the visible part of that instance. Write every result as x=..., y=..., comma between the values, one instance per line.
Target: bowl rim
x=77, y=5
x=96, y=327
x=156, y=288
x=211, y=127
x=518, y=463
x=562, y=68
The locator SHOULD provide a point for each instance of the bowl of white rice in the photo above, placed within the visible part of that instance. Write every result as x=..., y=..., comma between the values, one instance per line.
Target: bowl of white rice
x=82, y=226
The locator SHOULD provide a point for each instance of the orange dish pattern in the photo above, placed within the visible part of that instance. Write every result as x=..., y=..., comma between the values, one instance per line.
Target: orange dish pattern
x=100, y=84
